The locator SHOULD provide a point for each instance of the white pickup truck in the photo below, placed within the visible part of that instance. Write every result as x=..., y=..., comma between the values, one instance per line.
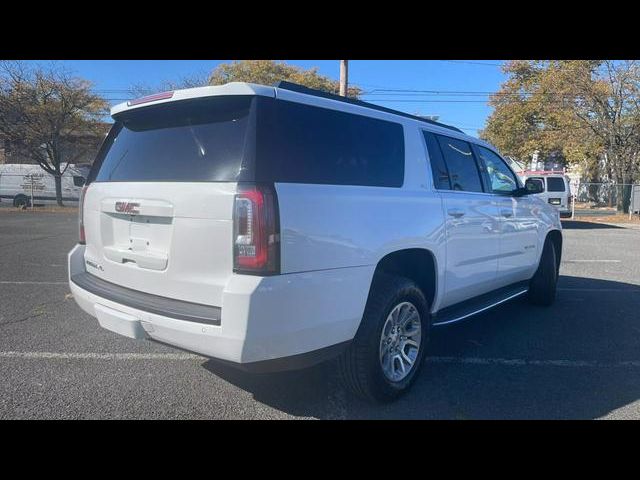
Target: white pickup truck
x=277, y=227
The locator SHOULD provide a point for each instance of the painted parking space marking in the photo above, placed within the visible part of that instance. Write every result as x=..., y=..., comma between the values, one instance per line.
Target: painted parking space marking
x=435, y=360
x=608, y=290
x=101, y=356
x=531, y=362
x=592, y=261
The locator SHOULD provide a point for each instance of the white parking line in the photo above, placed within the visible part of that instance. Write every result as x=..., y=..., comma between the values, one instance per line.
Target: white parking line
x=441, y=360
x=101, y=356
x=3, y=282
x=592, y=261
x=628, y=290
x=528, y=362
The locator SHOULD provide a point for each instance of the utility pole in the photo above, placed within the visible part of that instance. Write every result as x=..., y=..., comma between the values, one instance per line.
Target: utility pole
x=344, y=77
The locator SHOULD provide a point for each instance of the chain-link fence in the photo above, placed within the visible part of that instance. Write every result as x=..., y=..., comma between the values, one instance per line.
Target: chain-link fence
x=604, y=199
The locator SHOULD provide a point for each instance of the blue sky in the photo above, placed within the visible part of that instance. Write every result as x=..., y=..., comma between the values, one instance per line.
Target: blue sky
x=457, y=89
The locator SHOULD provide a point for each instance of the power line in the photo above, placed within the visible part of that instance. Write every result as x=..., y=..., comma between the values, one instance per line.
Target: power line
x=487, y=64
x=466, y=93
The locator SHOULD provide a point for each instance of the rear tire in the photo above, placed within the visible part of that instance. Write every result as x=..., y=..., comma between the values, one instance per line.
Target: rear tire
x=21, y=201
x=386, y=344
x=542, y=288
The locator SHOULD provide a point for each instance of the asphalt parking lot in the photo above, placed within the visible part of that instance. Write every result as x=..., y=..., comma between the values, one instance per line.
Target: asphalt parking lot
x=579, y=359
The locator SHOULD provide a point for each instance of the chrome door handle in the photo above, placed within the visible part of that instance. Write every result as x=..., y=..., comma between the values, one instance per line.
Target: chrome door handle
x=455, y=212
x=506, y=213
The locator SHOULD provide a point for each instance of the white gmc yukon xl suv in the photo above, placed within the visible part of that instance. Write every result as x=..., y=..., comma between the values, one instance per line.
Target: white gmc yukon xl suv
x=276, y=227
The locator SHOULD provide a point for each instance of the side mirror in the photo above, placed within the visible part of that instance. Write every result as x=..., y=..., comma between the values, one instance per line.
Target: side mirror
x=533, y=186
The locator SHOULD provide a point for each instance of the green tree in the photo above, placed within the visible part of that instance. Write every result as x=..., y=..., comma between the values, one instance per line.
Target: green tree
x=514, y=125
x=585, y=110
x=268, y=72
x=49, y=115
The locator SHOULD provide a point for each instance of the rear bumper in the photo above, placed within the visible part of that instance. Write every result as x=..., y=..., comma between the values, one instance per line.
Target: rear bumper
x=264, y=323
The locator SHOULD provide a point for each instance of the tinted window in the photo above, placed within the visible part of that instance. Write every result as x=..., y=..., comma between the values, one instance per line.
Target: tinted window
x=542, y=180
x=251, y=138
x=438, y=167
x=555, y=184
x=304, y=144
x=463, y=171
x=192, y=140
x=500, y=175
x=78, y=181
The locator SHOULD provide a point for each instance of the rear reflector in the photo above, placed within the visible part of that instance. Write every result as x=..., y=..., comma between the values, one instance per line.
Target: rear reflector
x=150, y=98
x=256, y=231
x=82, y=238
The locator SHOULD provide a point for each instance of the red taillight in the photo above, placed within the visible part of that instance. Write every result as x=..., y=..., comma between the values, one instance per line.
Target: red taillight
x=82, y=239
x=256, y=231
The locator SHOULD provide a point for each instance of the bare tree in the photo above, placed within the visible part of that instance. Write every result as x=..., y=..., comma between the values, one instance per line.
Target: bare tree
x=195, y=80
x=49, y=115
x=607, y=103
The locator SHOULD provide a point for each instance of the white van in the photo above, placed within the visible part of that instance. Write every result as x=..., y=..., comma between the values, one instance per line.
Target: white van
x=557, y=189
x=19, y=183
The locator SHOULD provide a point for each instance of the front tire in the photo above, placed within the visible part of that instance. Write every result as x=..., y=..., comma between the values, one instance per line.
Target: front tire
x=387, y=352
x=542, y=288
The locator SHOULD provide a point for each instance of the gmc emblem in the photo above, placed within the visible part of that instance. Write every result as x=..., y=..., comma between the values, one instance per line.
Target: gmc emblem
x=130, y=208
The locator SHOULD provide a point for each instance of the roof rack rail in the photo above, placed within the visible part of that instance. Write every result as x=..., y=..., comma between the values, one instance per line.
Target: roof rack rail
x=294, y=87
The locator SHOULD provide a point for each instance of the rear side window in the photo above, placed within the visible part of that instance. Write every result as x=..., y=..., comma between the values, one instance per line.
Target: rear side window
x=555, y=184
x=78, y=181
x=461, y=164
x=299, y=143
x=438, y=167
x=192, y=140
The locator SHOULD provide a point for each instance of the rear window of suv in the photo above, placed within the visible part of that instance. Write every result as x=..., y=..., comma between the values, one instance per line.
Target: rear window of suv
x=555, y=184
x=201, y=140
x=251, y=138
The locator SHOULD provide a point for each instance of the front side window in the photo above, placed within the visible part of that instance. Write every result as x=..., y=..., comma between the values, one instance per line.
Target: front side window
x=463, y=170
x=542, y=180
x=500, y=175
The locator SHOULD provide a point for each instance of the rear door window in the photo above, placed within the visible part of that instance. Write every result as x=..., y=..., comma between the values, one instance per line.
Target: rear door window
x=463, y=170
x=438, y=166
x=555, y=184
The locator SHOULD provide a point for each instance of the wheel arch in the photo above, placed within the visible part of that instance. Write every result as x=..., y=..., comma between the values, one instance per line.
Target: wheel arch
x=417, y=264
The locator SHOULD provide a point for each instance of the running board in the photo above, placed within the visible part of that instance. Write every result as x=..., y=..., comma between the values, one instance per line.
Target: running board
x=466, y=309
